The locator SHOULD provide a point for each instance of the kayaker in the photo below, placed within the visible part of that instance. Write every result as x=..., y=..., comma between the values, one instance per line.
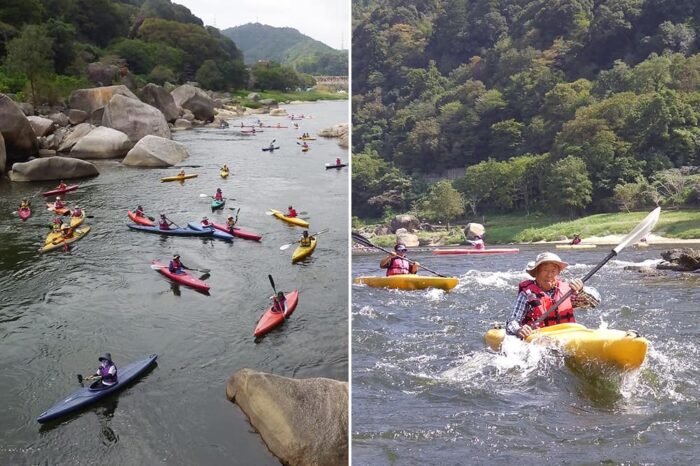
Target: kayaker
x=139, y=212
x=24, y=204
x=107, y=372
x=576, y=240
x=219, y=196
x=305, y=240
x=271, y=146
x=397, y=264
x=224, y=168
x=56, y=223
x=291, y=212
x=175, y=266
x=205, y=222
x=304, y=145
x=61, y=185
x=66, y=231
x=230, y=223
x=182, y=172
x=58, y=204
x=478, y=242
x=279, y=302
x=536, y=296
x=164, y=223
x=77, y=212
x=338, y=161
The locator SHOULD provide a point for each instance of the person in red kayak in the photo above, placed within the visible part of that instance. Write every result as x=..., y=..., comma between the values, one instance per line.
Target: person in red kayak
x=219, y=196
x=478, y=242
x=230, y=223
x=58, y=204
x=397, y=264
x=206, y=223
x=279, y=302
x=139, y=212
x=175, y=266
x=164, y=223
x=535, y=297
x=77, y=212
x=291, y=212
x=61, y=186
x=106, y=373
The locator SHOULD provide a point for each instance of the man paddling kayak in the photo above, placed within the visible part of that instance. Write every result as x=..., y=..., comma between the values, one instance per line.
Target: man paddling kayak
x=106, y=373
x=175, y=266
x=305, y=240
x=535, y=297
x=279, y=302
x=397, y=264
x=291, y=212
x=164, y=223
x=139, y=211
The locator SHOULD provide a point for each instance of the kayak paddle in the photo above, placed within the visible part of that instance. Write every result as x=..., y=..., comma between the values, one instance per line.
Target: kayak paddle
x=172, y=223
x=365, y=242
x=632, y=237
x=272, y=282
x=89, y=377
x=286, y=246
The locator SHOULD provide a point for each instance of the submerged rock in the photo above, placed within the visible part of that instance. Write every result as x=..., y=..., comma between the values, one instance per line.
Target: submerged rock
x=680, y=260
x=52, y=168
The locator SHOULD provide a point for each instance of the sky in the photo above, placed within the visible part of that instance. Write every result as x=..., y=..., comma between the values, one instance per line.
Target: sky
x=325, y=20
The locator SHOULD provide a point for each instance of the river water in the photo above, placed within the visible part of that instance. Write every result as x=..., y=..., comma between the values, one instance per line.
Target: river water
x=59, y=311
x=426, y=391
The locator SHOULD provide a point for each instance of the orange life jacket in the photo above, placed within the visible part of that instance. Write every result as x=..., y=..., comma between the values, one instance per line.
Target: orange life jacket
x=541, y=302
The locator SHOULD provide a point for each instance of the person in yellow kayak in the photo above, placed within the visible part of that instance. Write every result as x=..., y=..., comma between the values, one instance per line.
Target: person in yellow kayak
x=535, y=297
x=224, y=168
x=397, y=264
x=305, y=240
x=279, y=302
x=56, y=224
x=77, y=212
x=182, y=172
x=576, y=239
x=291, y=212
x=66, y=231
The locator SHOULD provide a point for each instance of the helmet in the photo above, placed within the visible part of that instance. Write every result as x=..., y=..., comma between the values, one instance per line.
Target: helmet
x=58, y=198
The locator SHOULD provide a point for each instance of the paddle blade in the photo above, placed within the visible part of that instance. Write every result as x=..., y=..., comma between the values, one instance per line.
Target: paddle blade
x=284, y=247
x=272, y=282
x=640, y=230
x=204, y=276
x=80, y=378
x=202, y=195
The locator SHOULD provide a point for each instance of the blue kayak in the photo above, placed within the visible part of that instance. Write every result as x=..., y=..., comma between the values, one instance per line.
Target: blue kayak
x=218, y=234
x=86, y=396
x=172, y=232
x=217, y=204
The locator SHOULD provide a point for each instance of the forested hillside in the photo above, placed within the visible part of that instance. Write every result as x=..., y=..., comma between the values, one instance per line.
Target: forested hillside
x=572, y=105
x=288, y=46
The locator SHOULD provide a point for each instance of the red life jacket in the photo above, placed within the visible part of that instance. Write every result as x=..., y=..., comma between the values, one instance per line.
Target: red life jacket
x=398, y=266
x=164, y=225
x=292, y=213
x=563, y=314
x=218, y=196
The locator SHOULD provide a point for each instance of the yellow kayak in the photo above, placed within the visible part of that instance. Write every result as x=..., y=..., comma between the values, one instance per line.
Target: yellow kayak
x=55, y=241
x=576, y=246
x=409, y=282
x=223, y=173
x=302, y=252
x=306, y=139
x=607, y=347
x=179, y=177
x=293, y=220
x=77, y=221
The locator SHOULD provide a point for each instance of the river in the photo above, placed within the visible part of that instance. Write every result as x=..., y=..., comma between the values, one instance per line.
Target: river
x=59, y=310
x=426, y=391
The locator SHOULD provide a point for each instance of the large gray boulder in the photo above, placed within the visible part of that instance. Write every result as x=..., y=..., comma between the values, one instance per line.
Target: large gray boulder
x=680, y=260
x=134, y=118
x=69, y=140
x=75, y=116
x=409, y=239
x=302, y=422
x=474, y=230
x=20, y=140
x=155, y=95
x=103, y=74
x=89, y=100
x=60, y=118
x=154, y=151
x=408, y=222
x=195, y=100
x=102, y=143
x=3, y=156
x=52, y=168
x=42, y=126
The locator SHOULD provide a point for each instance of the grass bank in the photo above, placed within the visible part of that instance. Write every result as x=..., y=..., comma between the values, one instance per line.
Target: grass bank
x=279, y=96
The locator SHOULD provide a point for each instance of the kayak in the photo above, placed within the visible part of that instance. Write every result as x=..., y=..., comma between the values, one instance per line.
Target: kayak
x=271, y=320
x=253, y=132
x=55, y=240
x=476, y=251
x=171, y=232
x=616, y=348
x=641, y=245
x=140, y=220
x=328, y=165
x=61, y=211
x=25, y=213
x=86, y=396
x=305, y=149
x=179, y=177
x=183, y=278
x=77, y=221
x=239, y=232
x=223, y=173
x=302, y=252
x=576, y=246
x=56, y=191
x=215, y=233
x=265, y=149
x=307, y=139
x=277, y=126
x=409, y=282
x=217, y=204
x=293, y=220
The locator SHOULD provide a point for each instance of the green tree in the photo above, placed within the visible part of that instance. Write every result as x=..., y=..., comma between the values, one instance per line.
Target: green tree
x=443, y=202
x=210, y=76
x=160, y=74
x=30, y=54
x=569, y=186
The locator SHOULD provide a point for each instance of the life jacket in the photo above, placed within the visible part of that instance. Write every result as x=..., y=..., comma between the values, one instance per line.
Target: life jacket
x=205, y=223
x=398, y=266
x=292, y=213
x=218, y=196
x=77, y=213
x=542, y=303
x=58, y=205
x=105, y=372
x=576, y=241
x=138, y=213
x=175, y=266
x=279, y=306
x=338, y=162
x=164, y=225
x=306, y=242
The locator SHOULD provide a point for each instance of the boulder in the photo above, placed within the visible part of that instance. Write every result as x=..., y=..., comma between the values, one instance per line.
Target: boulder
x=253, y=96
x=680, y=260
x=382, y=230
x=155, y=95
x=60, y=119
x=644, y=270
x=47, y=153
x=102, y=143
x=408, y=222
x=52, y=168
x=409, y=239
x=134, y=118
x=195, y=100
x=472, y=230
x=76, y=116
x=102, y=74
x=71, y=139
x=89, y=100
x=3, y=156
x=20, y=140
x=278, y=112
x=254, y=111
x=27, y=108
x=334, y=131
x=154, y=151
x=268, y=102
x=187, y=115
x=344, y=141
x=181, y=123
x=302, y=422
x=41, y=126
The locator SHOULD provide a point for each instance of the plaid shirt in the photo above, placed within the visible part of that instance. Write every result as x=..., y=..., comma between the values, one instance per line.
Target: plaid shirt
x=588, y=298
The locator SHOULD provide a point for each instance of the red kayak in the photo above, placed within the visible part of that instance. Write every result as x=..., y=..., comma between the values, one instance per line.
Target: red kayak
x=183, y=278
x=271, y=320
x=476, y=251
x=25, y=213
x=241, y=233
x=56, y=191
x=140, y=220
